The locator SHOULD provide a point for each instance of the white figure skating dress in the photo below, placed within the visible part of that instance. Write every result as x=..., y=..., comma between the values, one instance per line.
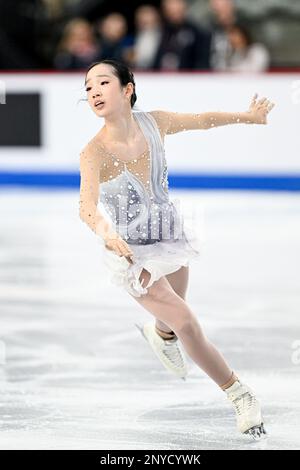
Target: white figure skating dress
x=135, y=197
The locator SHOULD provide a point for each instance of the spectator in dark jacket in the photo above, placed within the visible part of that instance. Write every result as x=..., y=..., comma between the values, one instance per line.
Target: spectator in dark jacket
x=184, y=45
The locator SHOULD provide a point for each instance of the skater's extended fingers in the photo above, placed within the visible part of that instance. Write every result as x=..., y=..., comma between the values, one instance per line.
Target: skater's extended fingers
x=114, y=245
x=126, y=248
x=261, y=104
x=120, y=251
x=129, y=259
x=265, y=102
x=262, y=100
x=126, y=253
x=268, y=103
x=266, y=106
x=122, y=248
x=117, y=249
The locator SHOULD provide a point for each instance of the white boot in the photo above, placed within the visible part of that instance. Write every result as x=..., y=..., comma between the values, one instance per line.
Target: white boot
x=168, y=351
x=247, y=408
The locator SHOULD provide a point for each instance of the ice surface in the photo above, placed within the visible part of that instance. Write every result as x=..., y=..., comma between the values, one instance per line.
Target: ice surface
x=77, y=374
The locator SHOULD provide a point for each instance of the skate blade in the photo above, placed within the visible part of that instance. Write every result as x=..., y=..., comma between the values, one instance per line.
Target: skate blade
x=257, y=432
x=140, y=328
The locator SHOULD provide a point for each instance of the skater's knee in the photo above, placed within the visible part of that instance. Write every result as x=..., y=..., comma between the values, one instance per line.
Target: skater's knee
x=186, y=323
x=183, y=318
x=162, y=294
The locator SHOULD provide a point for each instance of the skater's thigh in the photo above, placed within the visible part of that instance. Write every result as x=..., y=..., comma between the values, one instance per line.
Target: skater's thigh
x=164, y=303
x=160, y=291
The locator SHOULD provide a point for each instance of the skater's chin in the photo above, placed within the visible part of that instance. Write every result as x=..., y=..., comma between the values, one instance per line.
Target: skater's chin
x=100, y=113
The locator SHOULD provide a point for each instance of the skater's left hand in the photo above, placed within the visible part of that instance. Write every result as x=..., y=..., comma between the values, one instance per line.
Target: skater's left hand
x=259, y=110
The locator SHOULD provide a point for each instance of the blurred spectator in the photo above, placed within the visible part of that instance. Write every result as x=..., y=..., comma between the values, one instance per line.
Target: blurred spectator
x=78, y=46
x=224, y=11
x=147, y=36
x=223, y=14
x=246, y=55
x=54, y=8
x=184, y=45
x=115, y=42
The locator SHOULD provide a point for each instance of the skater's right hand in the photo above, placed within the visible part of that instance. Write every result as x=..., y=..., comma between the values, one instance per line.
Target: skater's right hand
x=115, y=243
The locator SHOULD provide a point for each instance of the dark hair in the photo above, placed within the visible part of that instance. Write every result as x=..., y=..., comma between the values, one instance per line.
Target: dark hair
x=121, y=71
x=244, y=29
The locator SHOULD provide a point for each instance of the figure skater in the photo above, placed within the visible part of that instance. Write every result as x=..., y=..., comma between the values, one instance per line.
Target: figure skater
x=144, y=247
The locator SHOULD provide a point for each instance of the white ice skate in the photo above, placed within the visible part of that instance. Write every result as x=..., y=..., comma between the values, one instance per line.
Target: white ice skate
x=168, y=351
x=247, y=408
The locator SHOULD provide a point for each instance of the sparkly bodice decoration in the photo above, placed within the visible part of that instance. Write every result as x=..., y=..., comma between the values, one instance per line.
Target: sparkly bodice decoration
x=135, y=193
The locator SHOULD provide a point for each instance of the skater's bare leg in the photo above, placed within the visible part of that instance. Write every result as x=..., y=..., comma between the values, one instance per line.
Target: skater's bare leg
x=179, y=282
x=163, y=303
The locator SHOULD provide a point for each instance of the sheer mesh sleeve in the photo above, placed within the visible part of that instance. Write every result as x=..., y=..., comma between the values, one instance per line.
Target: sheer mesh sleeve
x=172, y=122
x=89, y=191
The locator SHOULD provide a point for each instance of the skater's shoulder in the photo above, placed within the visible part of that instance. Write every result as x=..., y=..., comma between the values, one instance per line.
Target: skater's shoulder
x=159, y=115
x=92, y=150
x=161, y=118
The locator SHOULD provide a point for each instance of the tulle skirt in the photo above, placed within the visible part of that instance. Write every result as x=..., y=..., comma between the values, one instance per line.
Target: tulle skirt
x=160, y=258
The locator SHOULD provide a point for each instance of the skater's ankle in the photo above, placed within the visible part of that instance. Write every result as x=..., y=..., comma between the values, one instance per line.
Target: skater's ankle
x=230, y=382
x=165, y=334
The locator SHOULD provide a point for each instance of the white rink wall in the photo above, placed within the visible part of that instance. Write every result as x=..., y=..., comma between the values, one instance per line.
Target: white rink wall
x=67, y=124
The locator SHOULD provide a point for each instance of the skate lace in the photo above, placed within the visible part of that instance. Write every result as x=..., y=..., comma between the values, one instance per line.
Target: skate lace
x=244, y=402
x=173, y=353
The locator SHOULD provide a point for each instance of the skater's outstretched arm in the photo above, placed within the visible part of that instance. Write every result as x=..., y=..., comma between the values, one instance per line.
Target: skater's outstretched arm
x=173, y=122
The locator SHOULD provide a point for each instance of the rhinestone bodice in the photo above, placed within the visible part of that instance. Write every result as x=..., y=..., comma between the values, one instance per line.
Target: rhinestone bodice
x=135, y=193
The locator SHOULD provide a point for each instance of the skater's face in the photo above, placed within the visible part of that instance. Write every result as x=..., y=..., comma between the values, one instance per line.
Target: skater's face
x=102, y=84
